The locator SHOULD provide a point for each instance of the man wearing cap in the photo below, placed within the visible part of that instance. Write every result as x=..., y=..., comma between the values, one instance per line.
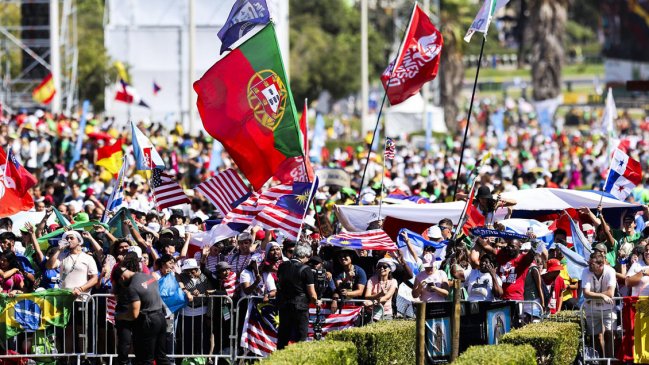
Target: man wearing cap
x=487, y=203
x=240, y=259
x=78, y=269
x=554, y=284
x=431, y=284
x=607, y=243
x=598, y=283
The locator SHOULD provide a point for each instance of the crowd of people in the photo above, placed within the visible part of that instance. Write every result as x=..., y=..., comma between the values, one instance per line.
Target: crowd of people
x=259, y=262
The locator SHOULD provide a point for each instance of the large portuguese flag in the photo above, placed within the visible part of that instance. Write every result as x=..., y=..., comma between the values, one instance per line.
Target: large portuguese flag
x=245, y=102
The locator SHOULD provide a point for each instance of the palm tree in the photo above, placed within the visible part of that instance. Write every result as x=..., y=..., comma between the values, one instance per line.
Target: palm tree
x=546, y=29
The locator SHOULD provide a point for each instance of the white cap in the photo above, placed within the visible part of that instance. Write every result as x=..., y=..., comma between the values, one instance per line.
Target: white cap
x=434, y=233
x=189, y=264
x=137, y=250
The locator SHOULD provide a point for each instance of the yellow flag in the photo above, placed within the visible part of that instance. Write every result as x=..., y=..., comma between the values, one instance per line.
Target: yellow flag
x=121, y=70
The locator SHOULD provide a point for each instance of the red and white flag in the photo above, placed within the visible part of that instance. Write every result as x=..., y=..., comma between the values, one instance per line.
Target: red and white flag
x=417, y=61
x=246, y=212
x=375, y=239
x=166, y=190
x=623, y=176
x=225, y=190
x=343, y=318
x=111, y=303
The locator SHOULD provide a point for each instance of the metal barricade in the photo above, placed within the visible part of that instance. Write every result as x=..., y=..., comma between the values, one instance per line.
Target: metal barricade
x=602, y=328
x=530, y=311
x=201, y=330
x=52, y=342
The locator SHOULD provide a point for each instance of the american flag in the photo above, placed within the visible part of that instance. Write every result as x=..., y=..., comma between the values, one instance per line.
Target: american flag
x=110, y=309
x=230, y=284
x=226, y=190
x=375, y=239
x=167, y=191
x=259, y=333
x=343, y=318
x=246, y=212
x=287, y=213
x=390, y=149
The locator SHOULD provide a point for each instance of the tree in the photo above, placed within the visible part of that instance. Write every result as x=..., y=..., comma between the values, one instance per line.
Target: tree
x=547, y=24
x=94, y=63
x=325, y=49
x=456, y=18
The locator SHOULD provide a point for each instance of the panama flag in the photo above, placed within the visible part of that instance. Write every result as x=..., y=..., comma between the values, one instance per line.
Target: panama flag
x=624, y=175
x=146, y=156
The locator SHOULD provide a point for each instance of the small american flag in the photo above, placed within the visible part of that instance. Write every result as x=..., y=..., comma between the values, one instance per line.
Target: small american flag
x=110, y=309
x=230, y=283
x=375, y=239
x=167, y=191
x=390, y=149
x=226, y=190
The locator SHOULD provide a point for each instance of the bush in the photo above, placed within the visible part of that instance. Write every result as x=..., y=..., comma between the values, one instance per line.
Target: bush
x=381, y=343
x=497, y=355
x=556, y=343
x=566, y=316
x=315, y=353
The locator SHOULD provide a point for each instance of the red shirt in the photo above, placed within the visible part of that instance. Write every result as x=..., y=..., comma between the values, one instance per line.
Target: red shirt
x=556, y=293
x=512, y=272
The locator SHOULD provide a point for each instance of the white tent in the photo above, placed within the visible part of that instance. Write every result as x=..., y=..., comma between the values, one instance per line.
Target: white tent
x=356, y=218
x=407, y=117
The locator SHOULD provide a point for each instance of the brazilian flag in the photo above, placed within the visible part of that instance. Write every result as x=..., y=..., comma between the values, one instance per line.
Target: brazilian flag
x=34, y=311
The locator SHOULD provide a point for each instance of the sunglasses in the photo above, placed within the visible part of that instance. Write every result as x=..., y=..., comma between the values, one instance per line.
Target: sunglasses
x=381, y=267
x=442, y=227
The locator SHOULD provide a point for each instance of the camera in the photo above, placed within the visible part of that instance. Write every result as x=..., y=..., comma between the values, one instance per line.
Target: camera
x=320, y=280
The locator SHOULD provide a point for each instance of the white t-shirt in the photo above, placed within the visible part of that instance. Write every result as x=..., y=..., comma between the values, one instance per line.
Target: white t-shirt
x=642, y=288
x=265, y=286
x=437, y=278
x=593, y=284
x=75, y=270
x=480, y=286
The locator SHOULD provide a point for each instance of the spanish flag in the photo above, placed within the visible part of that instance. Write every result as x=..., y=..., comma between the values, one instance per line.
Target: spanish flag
x=44, y=92
x=110, y=157
x=635, y=321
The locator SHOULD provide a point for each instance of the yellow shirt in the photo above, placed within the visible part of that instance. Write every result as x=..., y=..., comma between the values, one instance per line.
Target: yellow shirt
x=567, y=294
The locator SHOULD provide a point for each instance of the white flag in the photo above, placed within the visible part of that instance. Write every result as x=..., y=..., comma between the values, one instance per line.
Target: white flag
x=483, y=18
x=610, y=113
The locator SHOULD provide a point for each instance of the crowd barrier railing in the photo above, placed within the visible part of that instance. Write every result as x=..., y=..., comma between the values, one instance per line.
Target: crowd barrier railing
x=69, y=342
x=201, y=330
x=602, y=329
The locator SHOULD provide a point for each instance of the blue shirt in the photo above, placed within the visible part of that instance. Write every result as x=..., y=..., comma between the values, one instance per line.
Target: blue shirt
x=360, y=278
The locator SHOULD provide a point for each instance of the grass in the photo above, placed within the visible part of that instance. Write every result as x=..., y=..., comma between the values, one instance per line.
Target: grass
x=501, y=75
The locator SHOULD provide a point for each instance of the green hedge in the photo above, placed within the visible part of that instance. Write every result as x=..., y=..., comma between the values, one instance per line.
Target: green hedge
x=381, y=343
x=556, y=343
x=315, y=353
x=497, y=355
x=566, y=316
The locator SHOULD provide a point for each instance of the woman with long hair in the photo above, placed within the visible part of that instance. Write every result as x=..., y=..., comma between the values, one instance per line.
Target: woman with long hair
x=380, y=288
x=11, y=276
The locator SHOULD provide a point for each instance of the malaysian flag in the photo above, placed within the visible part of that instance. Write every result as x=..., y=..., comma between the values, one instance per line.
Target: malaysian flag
x=117, y=196
x=246, y=212
x=390, y=149
x=225, y=190
x=342, y=318
x=167, y=191
x=288, y=212
x=259, y=333
x=375, y=239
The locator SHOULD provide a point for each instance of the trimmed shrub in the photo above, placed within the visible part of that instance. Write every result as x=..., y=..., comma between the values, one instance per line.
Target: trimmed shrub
x=565, y=316
x=314, y=353
x=556, y=343
x=381, y=343
x=497, y=355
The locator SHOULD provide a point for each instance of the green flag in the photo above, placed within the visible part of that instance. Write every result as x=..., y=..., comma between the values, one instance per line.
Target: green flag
x=34, y=311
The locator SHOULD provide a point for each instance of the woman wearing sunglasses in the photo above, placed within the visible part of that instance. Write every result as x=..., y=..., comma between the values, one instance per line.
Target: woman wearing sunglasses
x=380, y=289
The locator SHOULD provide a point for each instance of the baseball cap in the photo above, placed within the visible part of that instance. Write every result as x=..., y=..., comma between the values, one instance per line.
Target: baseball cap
x=137, y=250
x=554, y=265
x=434, y=233
x=223, y=265
x=245, y=236
x=600, y=247
x=190, y=264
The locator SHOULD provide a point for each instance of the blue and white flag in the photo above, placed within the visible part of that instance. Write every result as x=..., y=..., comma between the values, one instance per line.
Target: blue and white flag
x=418, y=242
x=245, y=14
x=117, y=196
x=579, y=240
x=146, y=156
x=483, y=18
x=575, y=263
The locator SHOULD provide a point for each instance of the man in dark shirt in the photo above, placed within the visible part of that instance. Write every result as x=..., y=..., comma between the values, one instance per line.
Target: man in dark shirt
x=144, y=307
x=295, y=289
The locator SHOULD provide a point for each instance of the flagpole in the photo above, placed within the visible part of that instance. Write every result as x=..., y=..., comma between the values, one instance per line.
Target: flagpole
x=468, y=118
x=382, y=178
x=306, y=136
x=385, y=95
x=462, y=216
